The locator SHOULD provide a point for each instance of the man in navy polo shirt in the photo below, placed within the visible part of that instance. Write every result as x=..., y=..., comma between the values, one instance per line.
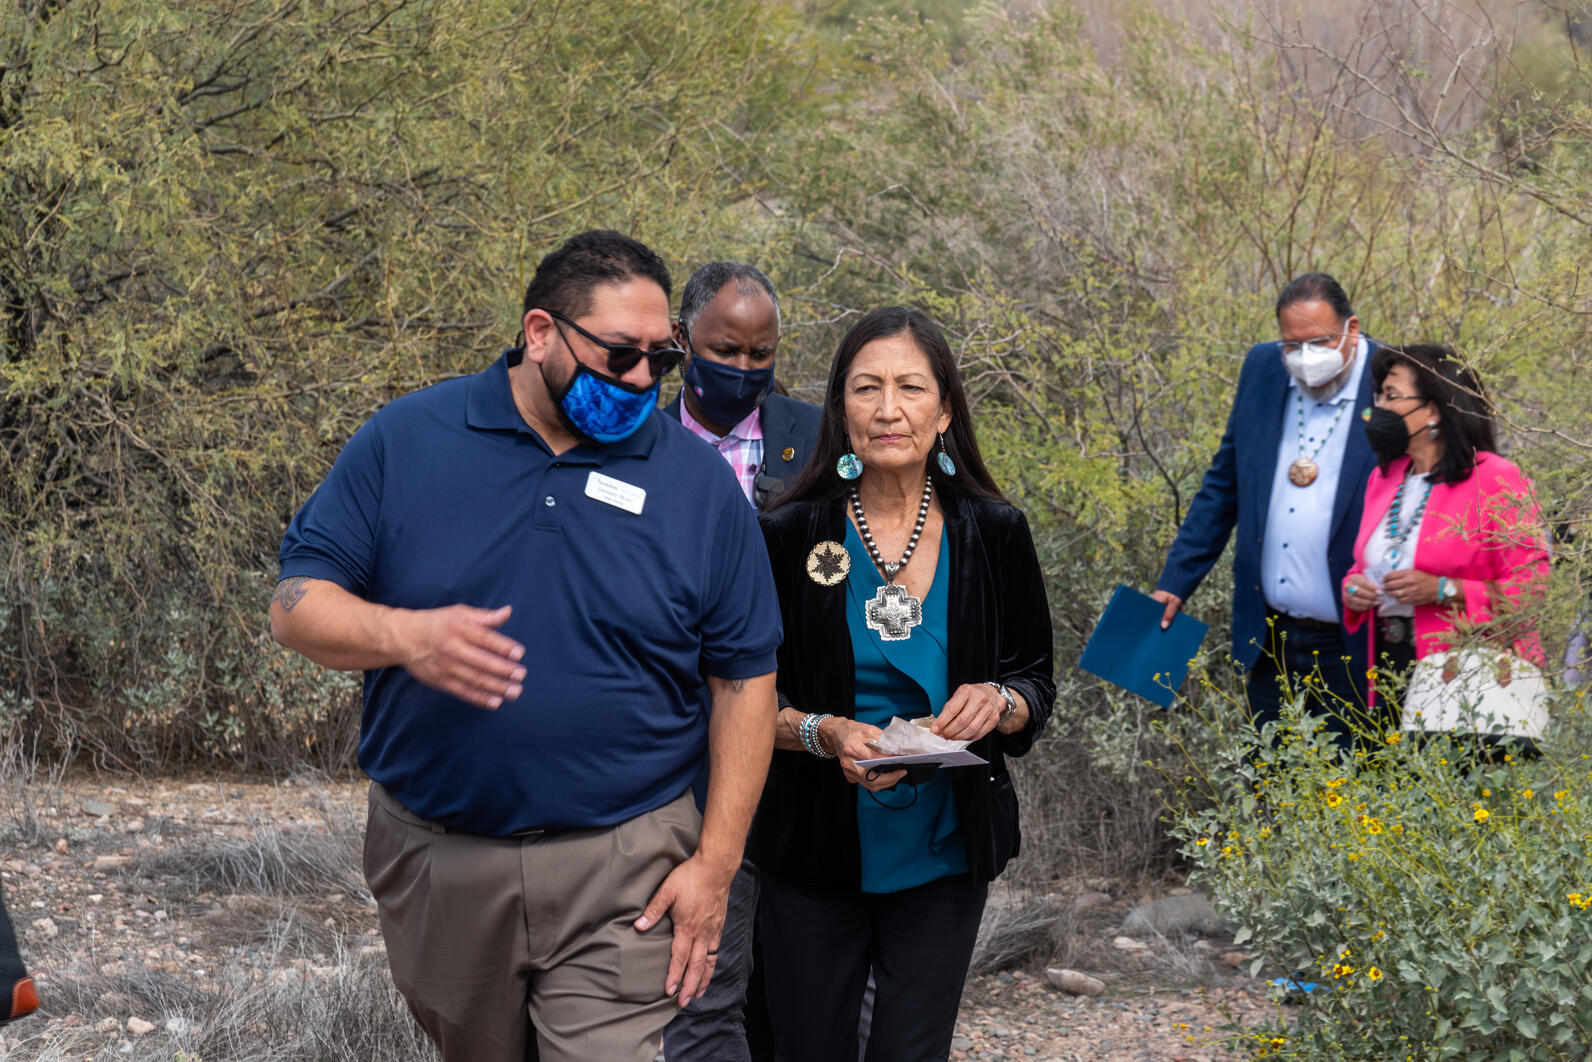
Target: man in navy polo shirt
x=560, y=600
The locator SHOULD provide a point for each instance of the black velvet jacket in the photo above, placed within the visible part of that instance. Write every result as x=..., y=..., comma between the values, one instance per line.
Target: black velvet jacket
x=806, y=825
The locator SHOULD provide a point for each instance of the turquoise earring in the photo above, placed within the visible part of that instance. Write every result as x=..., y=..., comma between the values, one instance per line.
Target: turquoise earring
x=849, y=466
x=947, y=465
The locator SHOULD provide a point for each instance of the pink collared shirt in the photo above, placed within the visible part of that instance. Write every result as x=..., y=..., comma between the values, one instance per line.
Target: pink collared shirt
x=742, y=446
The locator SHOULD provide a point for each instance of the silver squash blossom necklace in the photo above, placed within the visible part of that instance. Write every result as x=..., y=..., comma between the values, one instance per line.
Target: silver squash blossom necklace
x=893, y=612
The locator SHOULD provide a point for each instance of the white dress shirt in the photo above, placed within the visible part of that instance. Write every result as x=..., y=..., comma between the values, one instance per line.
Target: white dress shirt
x=1293, y=554
x=1380, y=543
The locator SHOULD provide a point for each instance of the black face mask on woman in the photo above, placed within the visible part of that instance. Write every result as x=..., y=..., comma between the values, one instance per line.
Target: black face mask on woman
x=1389, y=438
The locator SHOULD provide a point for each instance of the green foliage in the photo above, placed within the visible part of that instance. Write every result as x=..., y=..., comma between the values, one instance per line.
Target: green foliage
x=229, y=231
x=1441, y=903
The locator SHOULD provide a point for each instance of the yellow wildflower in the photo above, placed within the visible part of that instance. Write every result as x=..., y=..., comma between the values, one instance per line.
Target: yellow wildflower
x=1579, y=901
x=1373, y=974
x=1333, y=800
x=1202, y=842
x=1479, y=813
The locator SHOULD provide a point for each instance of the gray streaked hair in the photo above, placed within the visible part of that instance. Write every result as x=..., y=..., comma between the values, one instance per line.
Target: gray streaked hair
x=706, y=283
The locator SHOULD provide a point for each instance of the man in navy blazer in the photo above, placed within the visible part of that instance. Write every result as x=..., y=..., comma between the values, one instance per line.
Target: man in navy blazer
x=729, y=327
x=1290, y=476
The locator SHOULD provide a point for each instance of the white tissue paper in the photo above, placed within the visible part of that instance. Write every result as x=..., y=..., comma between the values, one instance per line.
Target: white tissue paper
x=914, y=738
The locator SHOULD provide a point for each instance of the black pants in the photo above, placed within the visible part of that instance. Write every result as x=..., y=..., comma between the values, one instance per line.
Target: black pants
x=818, y=945
x=1314, y=661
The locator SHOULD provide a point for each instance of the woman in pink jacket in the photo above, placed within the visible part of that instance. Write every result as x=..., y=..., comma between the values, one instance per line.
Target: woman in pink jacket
x=1451, y=539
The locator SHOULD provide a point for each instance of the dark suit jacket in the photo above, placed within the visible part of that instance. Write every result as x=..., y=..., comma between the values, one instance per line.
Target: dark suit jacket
x=1237, y=492
x=806, y=825
x=790, y=434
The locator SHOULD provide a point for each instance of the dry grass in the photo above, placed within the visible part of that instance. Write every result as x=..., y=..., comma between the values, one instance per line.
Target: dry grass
x=1027, y=931
x=345, y=1011
x=273, y=861
x=24, y=789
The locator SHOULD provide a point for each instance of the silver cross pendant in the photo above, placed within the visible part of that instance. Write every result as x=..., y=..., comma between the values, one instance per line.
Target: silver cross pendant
x=893, y=613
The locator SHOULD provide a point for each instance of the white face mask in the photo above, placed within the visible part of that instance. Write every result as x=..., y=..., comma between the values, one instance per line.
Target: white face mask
x=1313, y=364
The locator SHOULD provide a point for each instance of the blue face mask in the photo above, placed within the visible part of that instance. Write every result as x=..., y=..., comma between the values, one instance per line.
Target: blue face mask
x=600, y=410
x=727, y=395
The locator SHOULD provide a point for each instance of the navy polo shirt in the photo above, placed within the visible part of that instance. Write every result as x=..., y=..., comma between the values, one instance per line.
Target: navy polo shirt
x=446, y=496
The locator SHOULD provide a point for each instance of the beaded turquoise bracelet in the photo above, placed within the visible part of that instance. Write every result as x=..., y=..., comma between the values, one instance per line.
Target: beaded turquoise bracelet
x=807, y=730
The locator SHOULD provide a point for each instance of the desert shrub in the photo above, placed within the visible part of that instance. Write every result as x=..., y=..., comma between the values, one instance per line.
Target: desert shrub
x=231, y=230
x=1100, y=208
x=1440, y=903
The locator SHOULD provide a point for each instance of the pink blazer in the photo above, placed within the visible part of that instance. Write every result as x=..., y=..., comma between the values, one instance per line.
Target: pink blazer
x=1485, y=532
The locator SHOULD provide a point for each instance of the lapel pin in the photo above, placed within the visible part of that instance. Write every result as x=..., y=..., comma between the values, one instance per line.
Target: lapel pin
x=789, y=454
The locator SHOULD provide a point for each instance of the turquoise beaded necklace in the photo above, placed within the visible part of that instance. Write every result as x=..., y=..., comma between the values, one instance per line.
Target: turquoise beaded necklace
x=1304, y=470
x=1396, y=536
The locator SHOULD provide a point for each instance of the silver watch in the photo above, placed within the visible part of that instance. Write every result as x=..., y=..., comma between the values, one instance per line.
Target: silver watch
x=1011, y=702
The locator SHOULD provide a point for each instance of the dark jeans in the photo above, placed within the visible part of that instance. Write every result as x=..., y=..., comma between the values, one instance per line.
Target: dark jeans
x=1313, y=660
x=818, y=945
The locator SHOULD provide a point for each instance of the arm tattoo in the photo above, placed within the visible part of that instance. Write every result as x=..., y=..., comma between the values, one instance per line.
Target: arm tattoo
x=290, y=591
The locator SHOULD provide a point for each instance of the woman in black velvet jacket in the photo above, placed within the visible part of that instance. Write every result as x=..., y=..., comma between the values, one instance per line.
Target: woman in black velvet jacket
x=828, y=914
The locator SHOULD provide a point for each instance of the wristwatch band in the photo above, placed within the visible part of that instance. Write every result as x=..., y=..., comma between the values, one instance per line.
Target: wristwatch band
x=1011, y=702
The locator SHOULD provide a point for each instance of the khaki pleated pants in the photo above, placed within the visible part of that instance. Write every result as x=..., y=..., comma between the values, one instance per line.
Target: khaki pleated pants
x=509, y=950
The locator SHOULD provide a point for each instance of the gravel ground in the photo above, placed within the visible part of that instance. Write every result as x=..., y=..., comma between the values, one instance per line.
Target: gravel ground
x=202, y=884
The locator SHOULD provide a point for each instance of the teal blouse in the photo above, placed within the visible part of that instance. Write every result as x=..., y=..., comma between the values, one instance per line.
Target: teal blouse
x=905, y=841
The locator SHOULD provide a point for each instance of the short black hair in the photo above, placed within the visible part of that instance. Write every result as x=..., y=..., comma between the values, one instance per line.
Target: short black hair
x=1449, y=384
x=1312, y=286
x=565, y=278
x=706, y=283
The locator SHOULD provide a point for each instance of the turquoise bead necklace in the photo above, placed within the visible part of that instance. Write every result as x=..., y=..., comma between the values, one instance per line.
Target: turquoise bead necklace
x=1304, y=470
x=1397, y=536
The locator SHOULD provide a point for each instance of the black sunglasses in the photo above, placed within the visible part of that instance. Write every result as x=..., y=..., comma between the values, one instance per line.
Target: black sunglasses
x=622, y=357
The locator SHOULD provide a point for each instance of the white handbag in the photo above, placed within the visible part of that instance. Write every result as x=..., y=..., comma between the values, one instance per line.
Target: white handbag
x=1476, y=691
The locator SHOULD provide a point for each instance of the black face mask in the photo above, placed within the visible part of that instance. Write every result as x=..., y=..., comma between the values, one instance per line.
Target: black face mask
x=1389, y=438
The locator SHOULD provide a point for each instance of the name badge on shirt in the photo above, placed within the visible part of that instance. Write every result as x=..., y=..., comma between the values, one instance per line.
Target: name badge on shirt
x=620, y=495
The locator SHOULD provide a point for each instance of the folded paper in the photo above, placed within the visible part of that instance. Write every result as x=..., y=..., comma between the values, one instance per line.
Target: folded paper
x=1129, y=649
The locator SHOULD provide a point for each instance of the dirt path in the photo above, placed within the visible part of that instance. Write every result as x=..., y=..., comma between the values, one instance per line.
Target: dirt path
x=212, y=919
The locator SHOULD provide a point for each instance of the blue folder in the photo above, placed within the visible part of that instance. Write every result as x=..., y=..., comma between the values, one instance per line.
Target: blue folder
x=1129, y=649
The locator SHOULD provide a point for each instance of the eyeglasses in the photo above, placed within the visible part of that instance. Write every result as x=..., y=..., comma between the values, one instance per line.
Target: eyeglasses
x=1290, y=347
x=622, y=357
x=1385, y=397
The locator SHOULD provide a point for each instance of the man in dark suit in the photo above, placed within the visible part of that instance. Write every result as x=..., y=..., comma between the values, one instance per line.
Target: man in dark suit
x=729, y=328
x=1290, y=475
